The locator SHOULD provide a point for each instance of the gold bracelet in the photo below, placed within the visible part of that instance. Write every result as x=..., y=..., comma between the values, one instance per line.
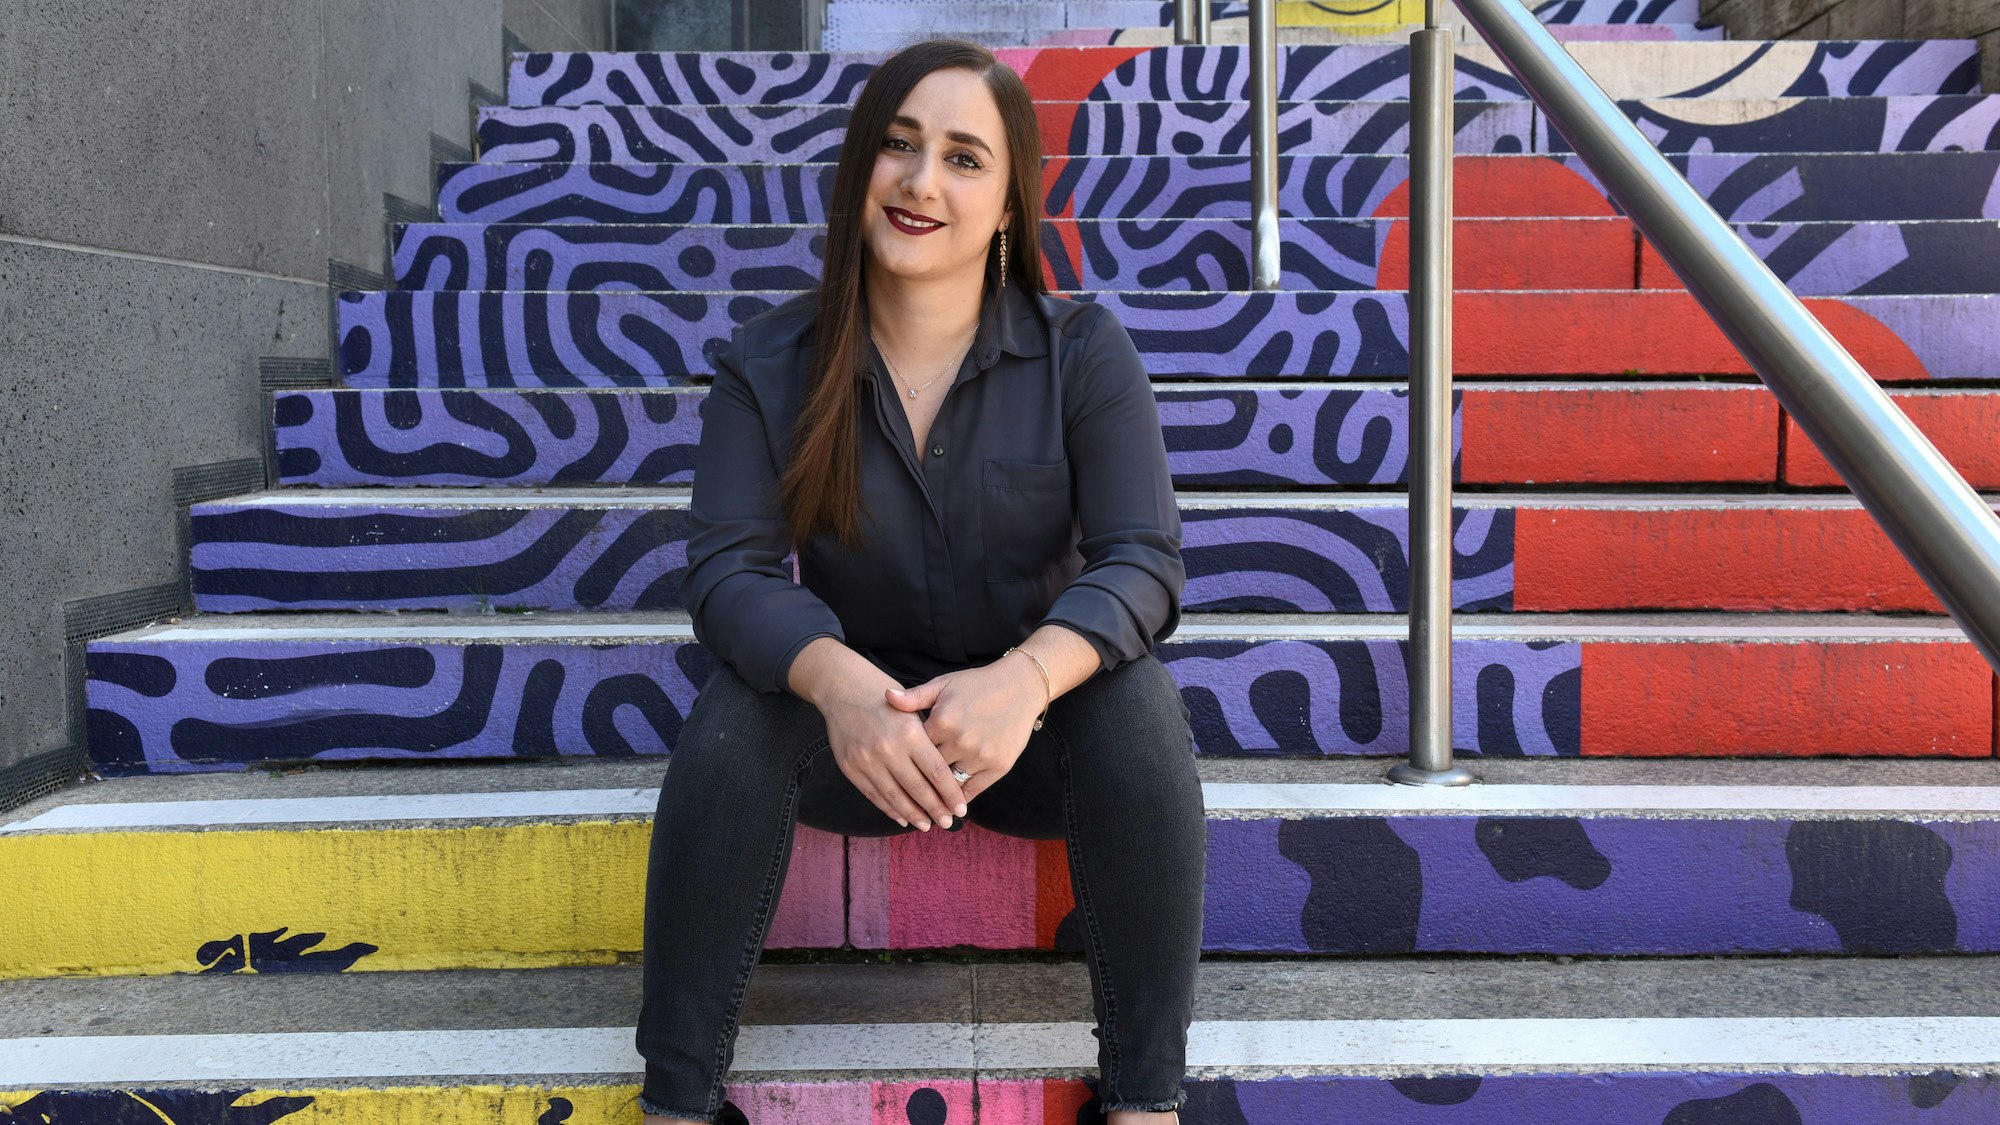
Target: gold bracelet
x=1048, y=685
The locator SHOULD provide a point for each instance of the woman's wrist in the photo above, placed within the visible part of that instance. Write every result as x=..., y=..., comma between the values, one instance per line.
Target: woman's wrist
x=1037, y=674
x=827, y=673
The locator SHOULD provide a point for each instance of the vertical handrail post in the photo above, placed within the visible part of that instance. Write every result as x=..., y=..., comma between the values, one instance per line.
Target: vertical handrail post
x=1432, y=64
x=1184, y=20
x=1263, y=91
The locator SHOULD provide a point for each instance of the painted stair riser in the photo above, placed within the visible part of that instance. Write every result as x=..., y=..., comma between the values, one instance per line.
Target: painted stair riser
x=848, y=17
x=1200, y=255
x=809, y=134
x=1219, y=72
x=1173, y=254
x=1215, y=436
x=1399, y=885
x=814, y=134
x=1329, y=557
x=167, y=706
x=1551, y=12
x=1742, y=187
x=412, y=339
x=540, y=894
x=1238, y=31
x=1465, y=1097
x=1974, y=452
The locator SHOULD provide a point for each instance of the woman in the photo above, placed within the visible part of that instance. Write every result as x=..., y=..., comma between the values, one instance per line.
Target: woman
x=988, y=550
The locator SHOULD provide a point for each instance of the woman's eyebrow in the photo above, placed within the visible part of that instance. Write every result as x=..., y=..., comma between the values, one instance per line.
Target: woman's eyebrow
x=950, y=134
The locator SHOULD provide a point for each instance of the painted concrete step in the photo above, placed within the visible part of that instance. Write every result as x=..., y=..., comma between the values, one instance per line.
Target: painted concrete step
x=411, y=339
x=524, y=866
x=1237, y=30
x=1742, y=187
x=804, y=134
x=1200, y=255
x=227, y=692
x=850, y=23
x=506, y=550
x=1238, y=435
x=1164, y=255
x=810, y=134
x=1386, y=1041
x=1936, y=412
x=1550, y=12
x=1372, y=71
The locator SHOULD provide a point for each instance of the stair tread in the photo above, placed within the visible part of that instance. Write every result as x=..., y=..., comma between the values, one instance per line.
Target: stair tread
x=671, y=496
x=596, y=626
x=1665, y=788
x=1377, y=1016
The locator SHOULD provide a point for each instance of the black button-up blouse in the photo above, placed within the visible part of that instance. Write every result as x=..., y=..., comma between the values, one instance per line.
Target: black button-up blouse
x=1045, y=497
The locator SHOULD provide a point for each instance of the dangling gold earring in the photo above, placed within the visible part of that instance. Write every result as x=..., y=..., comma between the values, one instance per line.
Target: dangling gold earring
x=1003, y=258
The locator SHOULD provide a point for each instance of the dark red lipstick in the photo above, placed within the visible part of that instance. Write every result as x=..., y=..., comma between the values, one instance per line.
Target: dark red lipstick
x=898, y=219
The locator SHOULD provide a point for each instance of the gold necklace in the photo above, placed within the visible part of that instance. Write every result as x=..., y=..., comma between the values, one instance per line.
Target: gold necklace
x=953, y=365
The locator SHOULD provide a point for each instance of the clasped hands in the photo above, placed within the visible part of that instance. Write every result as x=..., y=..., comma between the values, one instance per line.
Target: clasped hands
x=979, y=720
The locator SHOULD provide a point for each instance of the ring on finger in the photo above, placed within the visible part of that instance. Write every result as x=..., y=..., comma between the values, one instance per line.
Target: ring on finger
x=960, y=775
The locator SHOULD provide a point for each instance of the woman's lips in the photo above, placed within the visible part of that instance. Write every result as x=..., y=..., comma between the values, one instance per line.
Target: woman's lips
x=896, y=220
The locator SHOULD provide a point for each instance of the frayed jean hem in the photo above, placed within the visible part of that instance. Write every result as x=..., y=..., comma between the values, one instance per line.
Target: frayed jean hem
x=1169, y=1105
x=647, y=1105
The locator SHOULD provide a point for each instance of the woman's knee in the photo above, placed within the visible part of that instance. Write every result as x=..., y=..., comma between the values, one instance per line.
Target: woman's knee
x=732, y=722
x=1137, y=703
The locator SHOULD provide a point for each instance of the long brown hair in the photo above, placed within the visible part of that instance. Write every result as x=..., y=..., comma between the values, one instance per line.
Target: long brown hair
x=821, y=487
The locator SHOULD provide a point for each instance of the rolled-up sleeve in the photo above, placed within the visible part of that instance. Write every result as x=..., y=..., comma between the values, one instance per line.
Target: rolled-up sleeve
x=1127, y=598
x=745, y=606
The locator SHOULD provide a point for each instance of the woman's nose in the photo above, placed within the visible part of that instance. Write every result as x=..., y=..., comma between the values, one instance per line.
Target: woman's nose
x=921, y=179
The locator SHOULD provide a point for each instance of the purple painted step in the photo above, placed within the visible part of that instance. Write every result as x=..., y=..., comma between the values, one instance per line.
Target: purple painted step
x=1201, y=255
x=201, y=696
x=794, y=135
x=627, y=550
x=1606, y=884
x=807, y=134
x=890, y=36
x=1744, y=187
x=411, y=339
x=1266, y=435
x=1306, y=72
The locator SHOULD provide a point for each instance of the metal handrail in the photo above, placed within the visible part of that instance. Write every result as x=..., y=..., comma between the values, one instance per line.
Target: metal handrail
x=1191, y=21
x=1263, y=93
x=1946, y=531
x=1433, y=66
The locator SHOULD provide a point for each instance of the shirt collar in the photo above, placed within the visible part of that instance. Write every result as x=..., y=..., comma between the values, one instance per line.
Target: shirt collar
x=1009, y=322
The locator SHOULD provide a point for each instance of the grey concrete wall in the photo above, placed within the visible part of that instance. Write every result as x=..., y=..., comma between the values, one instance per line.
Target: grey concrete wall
x=175, y=178
x=711, y=25
x=1866, y=19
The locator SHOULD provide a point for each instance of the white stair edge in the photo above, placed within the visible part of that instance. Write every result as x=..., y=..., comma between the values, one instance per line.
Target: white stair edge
x=1223, y=801
x=1803, y=1044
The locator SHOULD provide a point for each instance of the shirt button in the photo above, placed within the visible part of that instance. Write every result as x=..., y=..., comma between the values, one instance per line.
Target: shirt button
x=937, y=450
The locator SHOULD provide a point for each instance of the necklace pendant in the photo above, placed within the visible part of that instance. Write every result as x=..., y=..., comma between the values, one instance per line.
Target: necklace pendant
x=913, y=394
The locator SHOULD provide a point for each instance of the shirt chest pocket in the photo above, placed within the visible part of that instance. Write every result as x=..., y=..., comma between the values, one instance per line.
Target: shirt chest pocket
x=1026, y=519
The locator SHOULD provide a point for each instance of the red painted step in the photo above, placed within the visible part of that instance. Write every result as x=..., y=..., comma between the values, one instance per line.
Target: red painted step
x=1964, y=425
x=1752, y=553
x=1526, y=434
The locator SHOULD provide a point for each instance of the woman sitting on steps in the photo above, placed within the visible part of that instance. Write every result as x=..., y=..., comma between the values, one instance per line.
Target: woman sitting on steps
x=988, y=549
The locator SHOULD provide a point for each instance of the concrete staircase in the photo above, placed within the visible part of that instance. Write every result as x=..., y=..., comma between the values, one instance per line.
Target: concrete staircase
x=1737, y=850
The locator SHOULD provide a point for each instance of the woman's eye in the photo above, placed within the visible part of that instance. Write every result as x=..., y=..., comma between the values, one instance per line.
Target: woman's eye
x=971, y=162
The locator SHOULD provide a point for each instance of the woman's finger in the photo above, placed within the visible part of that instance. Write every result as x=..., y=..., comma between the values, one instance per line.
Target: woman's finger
x=881, y=789
x=920, y=790
x=937, y=772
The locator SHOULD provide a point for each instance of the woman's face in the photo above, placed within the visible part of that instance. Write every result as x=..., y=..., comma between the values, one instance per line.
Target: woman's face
x=942, y=159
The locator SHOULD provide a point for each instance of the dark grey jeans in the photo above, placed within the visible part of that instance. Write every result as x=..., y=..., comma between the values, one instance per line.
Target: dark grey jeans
x=1111, y=772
